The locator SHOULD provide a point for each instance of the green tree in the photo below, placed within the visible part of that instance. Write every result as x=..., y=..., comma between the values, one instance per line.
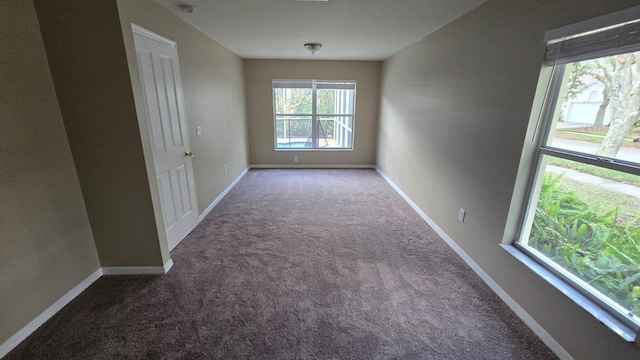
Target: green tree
x=325, y=104
x=300, y=101
x=575, y=84
x=293, y=101
x=620, y=76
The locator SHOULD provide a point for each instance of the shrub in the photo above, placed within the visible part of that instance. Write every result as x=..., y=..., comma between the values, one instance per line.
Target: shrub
x=589, y=242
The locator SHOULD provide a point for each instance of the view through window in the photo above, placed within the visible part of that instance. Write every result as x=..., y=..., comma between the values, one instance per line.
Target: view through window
x=313, y=114
x=584, y=210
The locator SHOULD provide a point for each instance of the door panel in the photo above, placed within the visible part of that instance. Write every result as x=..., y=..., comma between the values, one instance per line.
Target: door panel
x=174, y=116
x=164, y=183
x=184, y=190
x=160, y=77
x=149, y=85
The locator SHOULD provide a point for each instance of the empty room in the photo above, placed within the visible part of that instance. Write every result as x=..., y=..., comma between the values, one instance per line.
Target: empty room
x=320, y=179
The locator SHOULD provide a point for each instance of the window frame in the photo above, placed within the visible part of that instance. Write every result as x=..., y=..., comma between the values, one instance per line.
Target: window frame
x=602, y=307
x=315, y=116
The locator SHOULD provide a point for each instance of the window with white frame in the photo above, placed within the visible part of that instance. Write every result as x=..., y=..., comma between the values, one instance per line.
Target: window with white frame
x=314, y=114
x=582, y=220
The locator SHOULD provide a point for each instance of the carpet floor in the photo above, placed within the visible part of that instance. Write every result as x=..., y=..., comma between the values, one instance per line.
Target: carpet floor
x=296, y=264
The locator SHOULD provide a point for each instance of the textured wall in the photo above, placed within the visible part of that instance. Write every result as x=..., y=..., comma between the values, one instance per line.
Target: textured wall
x=213, y=85
x=258, y=76
x=46, y=245
x=455, y=108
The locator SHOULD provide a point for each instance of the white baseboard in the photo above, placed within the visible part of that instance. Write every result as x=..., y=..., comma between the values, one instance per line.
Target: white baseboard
x=167, y=266
x=517, y=309
x=222, y=194
x=34, y=324
x=138, y=270
x=301, y=166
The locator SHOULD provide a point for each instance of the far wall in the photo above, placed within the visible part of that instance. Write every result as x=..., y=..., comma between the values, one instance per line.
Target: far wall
x=258, y=75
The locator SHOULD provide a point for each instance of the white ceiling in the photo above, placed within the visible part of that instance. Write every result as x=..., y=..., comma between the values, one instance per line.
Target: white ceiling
x=348, y=29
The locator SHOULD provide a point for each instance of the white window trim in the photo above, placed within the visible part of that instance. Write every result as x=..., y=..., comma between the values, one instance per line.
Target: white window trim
x=625, y=328
x=315, y=85
x=621, y=329
x=599, y=22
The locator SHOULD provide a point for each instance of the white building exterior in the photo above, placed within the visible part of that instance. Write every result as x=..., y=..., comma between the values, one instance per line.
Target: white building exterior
x=584, y=107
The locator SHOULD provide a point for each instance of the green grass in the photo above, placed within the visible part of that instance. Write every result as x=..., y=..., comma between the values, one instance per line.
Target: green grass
x=597, y=139
x=591, y=133
x=627, y=205
x=578, y=136
x=597, y=171
x=594, y=131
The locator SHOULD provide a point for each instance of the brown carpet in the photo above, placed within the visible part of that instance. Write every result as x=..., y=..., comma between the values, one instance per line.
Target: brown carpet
x=296, y=264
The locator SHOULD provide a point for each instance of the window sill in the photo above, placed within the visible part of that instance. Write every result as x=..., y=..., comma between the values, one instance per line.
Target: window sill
x=310, y=149
x=618, y=327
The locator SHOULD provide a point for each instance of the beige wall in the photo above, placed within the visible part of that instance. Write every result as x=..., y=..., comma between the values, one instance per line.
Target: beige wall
x=90, y=72
x=258, y=76
x=46, y=245
x=213, y=85
x=455, y=108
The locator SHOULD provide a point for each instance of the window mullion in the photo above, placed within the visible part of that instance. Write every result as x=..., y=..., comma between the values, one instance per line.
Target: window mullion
x=595, y=160
x=314, y=116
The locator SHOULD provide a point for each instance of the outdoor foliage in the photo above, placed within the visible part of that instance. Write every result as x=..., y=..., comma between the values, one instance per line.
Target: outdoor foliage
x=299, y=101
x=589, y=242
x=297, y=127
x=621, y=80
x=620, y=76
x=575, y=83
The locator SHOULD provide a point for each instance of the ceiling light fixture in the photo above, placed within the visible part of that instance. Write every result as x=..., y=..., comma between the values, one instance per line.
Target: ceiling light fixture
x=187, y=8
x=313, y=47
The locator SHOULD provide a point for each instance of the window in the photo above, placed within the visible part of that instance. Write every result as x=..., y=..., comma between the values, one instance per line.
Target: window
x=582, y=220
x=314, y=114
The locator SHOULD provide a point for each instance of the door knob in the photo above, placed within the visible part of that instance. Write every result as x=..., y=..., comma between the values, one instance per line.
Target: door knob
x=188, y=154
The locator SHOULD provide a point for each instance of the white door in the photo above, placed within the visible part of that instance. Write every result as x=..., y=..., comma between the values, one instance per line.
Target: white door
x=160, y=76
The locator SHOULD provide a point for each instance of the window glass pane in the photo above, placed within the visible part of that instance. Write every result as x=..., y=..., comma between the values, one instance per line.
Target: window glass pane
x=597, y=108
x=335, y=132
x=586, y=221
x=335, y=101
x=293, y=101
x=293, y=132
x=314, y=114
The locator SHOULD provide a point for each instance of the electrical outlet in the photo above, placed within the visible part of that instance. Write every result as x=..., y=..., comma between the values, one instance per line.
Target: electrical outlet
x=461, y=214
x=295, y=158
x=198, y=130
x=388, y=159
x=225, y=168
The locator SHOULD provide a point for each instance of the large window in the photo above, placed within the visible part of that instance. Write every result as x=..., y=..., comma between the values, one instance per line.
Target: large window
x=583, y=217
x=314, y=114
